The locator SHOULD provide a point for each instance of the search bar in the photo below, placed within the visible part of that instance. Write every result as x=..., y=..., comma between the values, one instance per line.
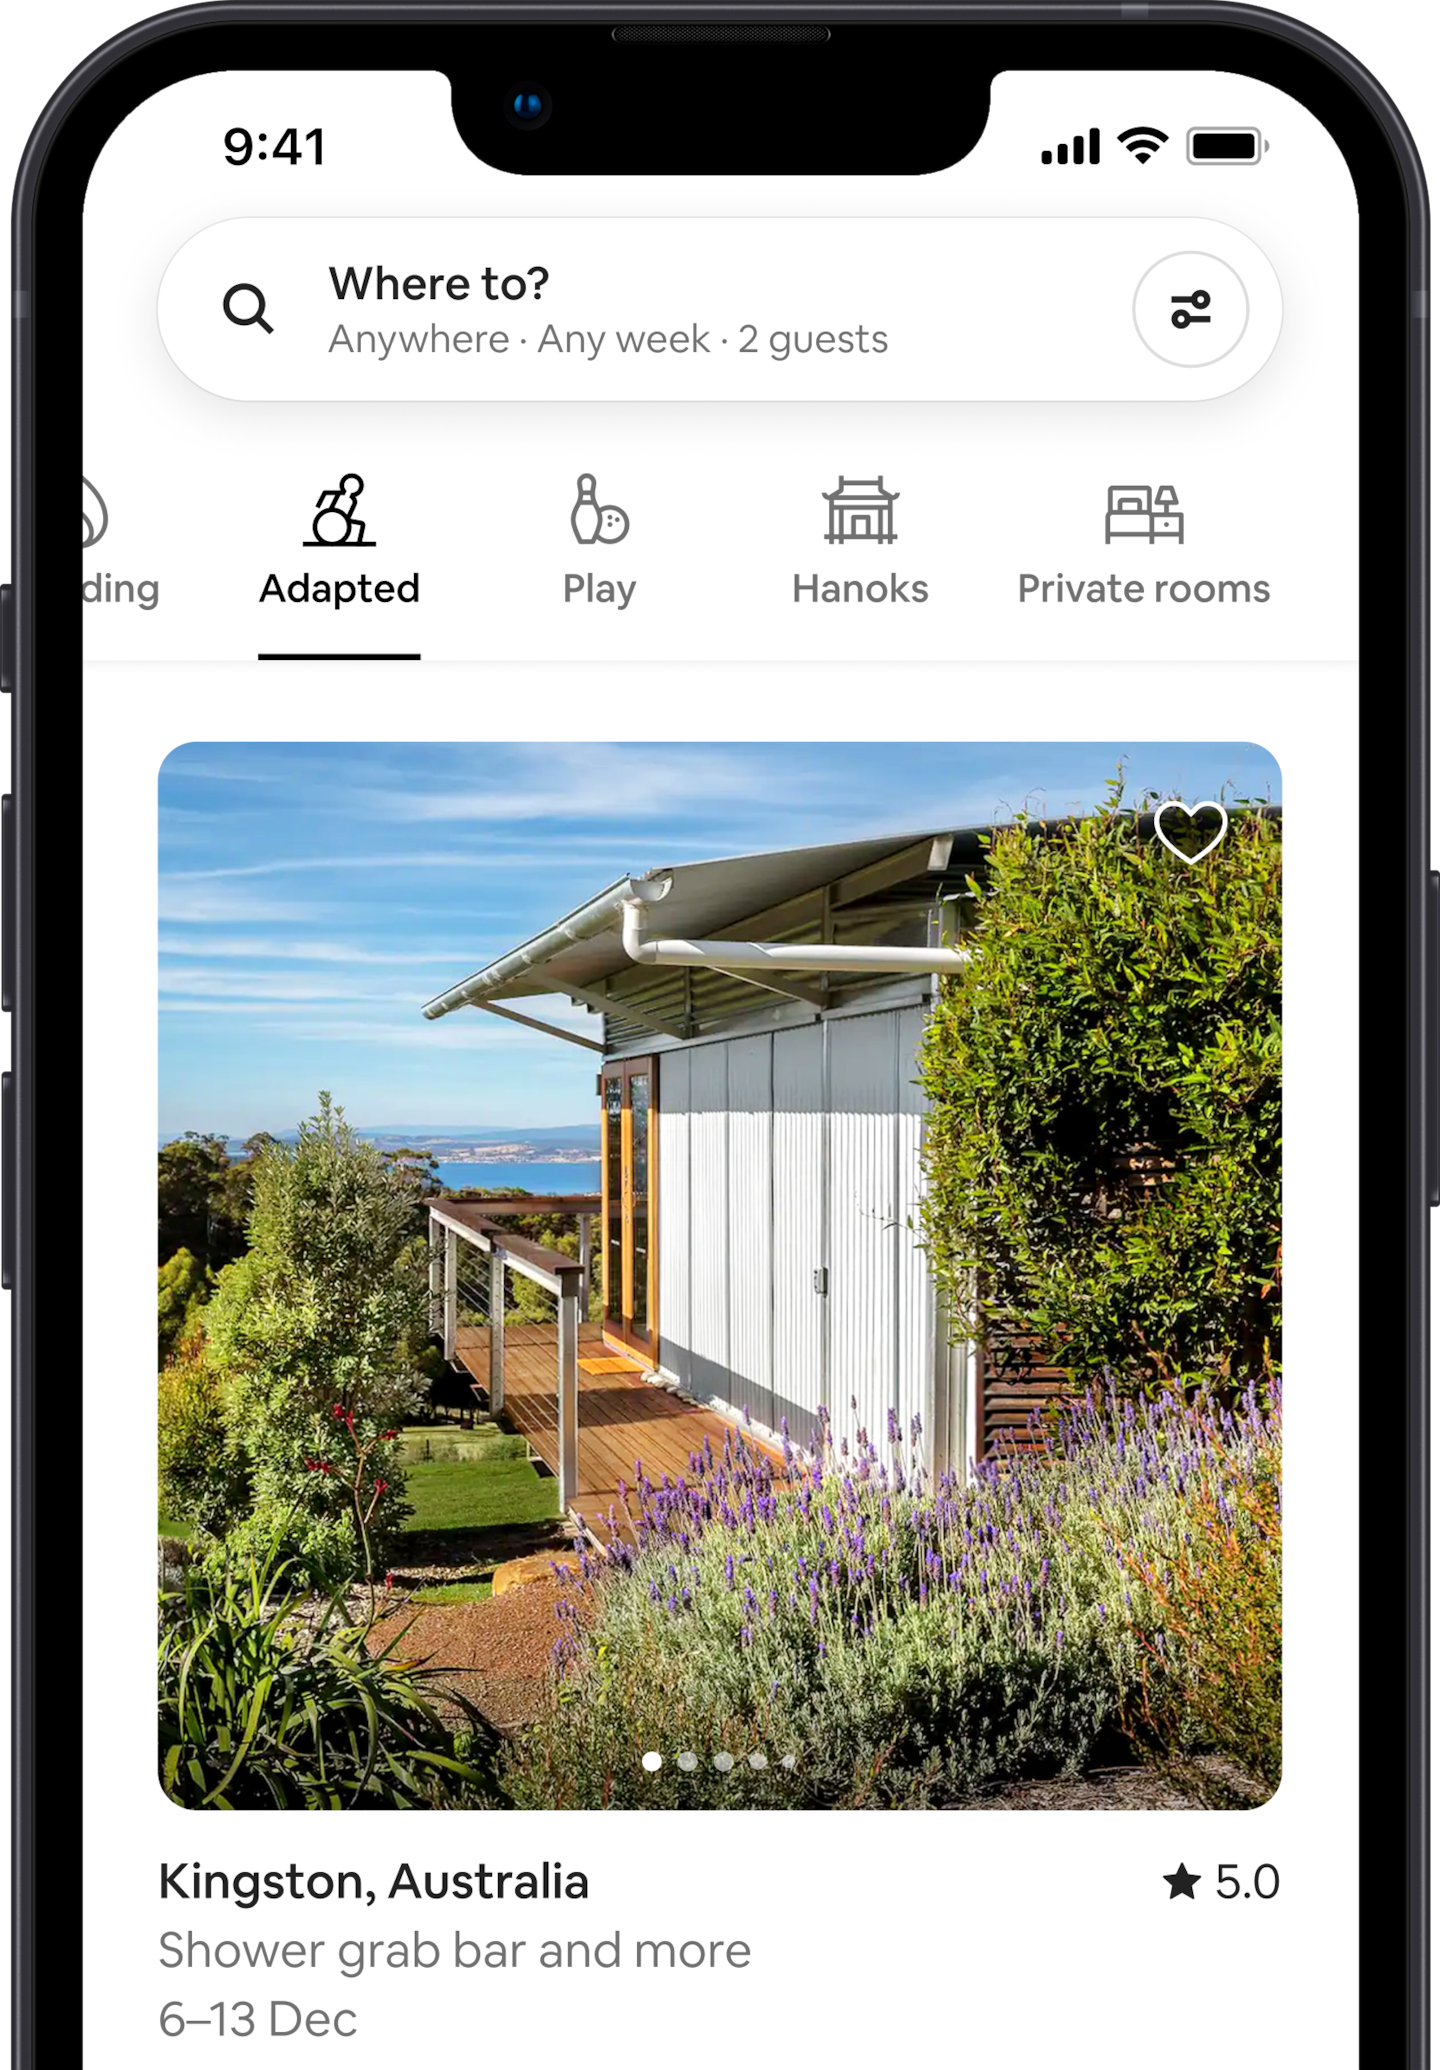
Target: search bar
x=720, y=309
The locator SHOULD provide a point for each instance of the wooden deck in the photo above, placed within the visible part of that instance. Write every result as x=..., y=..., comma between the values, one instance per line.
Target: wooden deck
x=628, y=1425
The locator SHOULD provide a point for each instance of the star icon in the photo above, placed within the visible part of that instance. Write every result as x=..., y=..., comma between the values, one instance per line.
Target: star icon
x=1183, y=1882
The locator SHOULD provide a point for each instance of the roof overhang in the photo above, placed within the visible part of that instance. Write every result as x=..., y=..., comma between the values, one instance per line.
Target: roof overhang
x=581, y=952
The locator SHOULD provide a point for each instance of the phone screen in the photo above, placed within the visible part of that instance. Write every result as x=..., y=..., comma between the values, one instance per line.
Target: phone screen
x=686, y=781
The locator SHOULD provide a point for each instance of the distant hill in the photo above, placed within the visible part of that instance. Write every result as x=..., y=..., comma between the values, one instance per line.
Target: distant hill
x=454, y=1144
x=576, y=1135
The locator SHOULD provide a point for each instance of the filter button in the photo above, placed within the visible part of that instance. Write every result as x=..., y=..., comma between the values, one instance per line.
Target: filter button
x=1191, y=309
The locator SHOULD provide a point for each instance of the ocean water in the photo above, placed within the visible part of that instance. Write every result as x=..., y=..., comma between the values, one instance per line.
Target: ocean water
x=525, y=1178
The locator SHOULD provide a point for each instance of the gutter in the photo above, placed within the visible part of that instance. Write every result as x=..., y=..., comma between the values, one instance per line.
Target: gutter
x=582, y=925
x=773, y=956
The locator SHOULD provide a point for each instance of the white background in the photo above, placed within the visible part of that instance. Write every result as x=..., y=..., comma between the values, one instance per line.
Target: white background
x=911, y=1887
x=708, y=565
x=1029, y=1936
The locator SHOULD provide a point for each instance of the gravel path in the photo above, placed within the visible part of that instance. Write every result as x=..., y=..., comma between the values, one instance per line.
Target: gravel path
x=496, y=1653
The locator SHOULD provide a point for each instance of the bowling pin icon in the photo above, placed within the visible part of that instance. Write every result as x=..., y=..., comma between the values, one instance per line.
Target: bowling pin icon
x=585, y=517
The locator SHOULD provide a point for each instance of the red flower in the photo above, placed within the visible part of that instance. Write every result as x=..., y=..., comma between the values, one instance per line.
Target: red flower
x=339, y=1409
x=385, y=1434
x=381, y=1486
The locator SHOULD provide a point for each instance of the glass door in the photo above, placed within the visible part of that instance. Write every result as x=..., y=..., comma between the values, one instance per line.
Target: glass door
x=627, y=1114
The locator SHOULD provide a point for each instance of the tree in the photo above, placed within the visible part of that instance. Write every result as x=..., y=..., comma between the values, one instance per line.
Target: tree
x=316, y=1318
x=204, y=1196
x=237, y=1189
x=192, y=1172
x=418, y=1171
x=1103, y=1140
x=184, y=1290
x=204, y=1477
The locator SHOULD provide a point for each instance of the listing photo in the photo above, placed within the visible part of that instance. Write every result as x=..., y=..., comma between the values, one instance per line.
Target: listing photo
x=719, y=1276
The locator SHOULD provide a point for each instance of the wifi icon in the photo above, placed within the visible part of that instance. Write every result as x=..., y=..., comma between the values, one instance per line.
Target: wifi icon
x=1143, y=141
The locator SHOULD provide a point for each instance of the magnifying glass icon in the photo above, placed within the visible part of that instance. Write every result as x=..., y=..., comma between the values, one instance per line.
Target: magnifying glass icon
x=245, y=287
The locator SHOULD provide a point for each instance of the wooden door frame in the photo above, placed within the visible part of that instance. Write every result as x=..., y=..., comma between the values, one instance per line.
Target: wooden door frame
x=616, y=1328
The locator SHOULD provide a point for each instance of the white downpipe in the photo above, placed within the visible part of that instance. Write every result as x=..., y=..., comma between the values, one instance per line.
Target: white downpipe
x=837, y=956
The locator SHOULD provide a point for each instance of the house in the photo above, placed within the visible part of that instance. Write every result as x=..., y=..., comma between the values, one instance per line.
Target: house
x=762, y=1124
x=861, y=510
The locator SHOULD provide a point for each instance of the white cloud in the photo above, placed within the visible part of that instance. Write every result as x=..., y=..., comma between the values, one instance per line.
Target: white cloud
x=590, y=780
x=263, y=948
x=553, y=856
x=207, y=983
x=185, y=901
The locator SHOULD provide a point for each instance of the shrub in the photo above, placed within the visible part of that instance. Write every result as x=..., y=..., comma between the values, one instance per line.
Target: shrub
x=260, y=1710
x=323, y=1310
x=1215, y=1661
x=204, y=1477
x=184, y=1290
x=904, y=1643
x=1103, y=1136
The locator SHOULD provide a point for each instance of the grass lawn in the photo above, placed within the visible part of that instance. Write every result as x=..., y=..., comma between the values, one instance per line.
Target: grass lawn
x=473, y=1494
x=455, y=1592
x=457, y=1498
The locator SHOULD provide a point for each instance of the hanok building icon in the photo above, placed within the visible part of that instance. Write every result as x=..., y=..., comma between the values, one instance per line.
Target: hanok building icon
x=861, y=510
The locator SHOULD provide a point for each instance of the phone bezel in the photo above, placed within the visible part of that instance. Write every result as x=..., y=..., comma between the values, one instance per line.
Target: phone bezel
x=1390, y=844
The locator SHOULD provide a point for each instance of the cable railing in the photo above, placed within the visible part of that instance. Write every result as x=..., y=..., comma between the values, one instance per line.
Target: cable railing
x=482, y=1276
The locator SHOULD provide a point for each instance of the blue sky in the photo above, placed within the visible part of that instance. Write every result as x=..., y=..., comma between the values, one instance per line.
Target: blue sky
x=313, y=897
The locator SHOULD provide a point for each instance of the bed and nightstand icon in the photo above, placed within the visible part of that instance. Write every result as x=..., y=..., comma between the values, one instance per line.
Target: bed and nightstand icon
x=1143, y=513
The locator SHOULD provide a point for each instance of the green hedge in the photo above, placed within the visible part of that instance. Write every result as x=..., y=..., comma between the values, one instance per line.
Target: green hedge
x=1103, y=1144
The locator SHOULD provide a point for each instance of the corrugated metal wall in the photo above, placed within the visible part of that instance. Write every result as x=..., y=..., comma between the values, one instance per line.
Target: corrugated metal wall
x=863, y=1201
x=781, y=1156
x=799, y=1224
x=709, y=1218
x=749, y=1247
x=673, y=1215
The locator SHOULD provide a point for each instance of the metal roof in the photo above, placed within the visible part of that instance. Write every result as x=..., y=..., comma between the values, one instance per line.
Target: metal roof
x=579, y=953
x=584, y=948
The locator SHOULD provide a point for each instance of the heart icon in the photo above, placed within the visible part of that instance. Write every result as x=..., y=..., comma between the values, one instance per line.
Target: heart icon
x=1186, y=819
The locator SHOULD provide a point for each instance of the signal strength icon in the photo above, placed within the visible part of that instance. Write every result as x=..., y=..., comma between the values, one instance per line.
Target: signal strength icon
x=1143, y=141
x=1073, y=152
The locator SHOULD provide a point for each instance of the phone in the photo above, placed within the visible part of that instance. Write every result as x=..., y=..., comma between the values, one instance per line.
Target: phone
x=659, y=819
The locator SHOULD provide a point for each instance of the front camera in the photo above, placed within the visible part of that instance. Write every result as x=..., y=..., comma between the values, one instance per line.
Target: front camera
x=527, y=106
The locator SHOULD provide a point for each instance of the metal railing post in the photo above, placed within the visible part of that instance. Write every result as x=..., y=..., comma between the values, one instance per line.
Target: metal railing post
x=584, y=1268
x=437, y=1278
x=568, y=1386
x=497, y=1329
x=451, y=1291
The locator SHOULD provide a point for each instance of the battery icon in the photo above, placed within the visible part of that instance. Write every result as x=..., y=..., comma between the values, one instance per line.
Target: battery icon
x=1225, y=146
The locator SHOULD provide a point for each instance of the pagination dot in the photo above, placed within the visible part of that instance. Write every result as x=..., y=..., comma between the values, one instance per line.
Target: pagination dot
x=724, y=1762
x=689, y=1762
x=652, y=1761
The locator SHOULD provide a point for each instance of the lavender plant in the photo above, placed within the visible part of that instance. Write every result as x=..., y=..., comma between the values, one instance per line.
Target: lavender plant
x=902, y=1641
